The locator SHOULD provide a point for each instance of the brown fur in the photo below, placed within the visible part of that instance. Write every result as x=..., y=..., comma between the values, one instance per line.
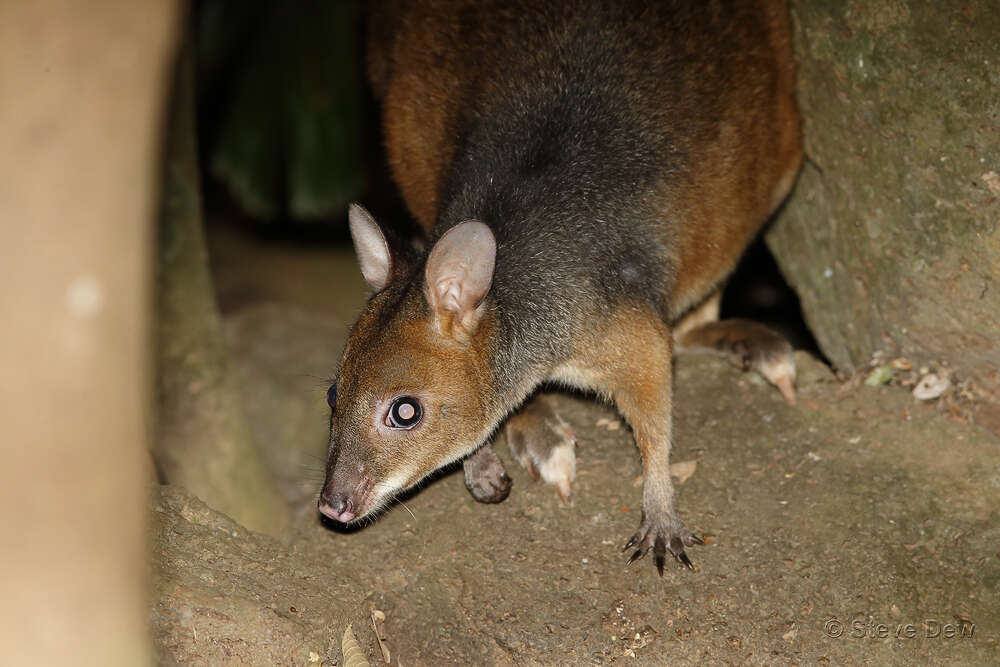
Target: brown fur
x=741, y=176
x=458, y=370
x=746, y=171
x=639, y=384
x=618, y=157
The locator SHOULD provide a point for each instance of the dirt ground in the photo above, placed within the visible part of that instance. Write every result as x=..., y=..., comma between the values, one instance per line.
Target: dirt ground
x=857, y=527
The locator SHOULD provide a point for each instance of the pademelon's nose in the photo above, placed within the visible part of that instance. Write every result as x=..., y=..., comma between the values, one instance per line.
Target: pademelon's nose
x=337, y=506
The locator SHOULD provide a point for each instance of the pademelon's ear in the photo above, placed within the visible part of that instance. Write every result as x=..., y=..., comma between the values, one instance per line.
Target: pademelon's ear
x=459, y=274
x=370, y=246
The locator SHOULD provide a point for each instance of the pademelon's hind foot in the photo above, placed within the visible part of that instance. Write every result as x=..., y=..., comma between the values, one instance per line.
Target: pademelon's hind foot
x=669, y=535
x=752, y=345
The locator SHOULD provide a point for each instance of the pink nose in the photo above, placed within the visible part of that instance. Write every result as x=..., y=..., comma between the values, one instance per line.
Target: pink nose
x=339, y=508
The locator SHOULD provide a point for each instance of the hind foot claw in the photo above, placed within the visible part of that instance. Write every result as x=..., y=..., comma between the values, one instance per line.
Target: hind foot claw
x=661, y=541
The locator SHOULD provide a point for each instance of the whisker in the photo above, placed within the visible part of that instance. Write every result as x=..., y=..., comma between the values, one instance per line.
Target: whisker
x=400, y=501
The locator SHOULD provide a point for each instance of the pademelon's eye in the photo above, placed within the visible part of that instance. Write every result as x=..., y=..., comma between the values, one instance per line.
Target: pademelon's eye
x=331, y=395
x=404, y=413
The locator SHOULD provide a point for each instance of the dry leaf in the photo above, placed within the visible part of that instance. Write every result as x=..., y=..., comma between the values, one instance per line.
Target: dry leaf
x=353, y=655
x=930, y=386
x=682, y=470
x=992, y=180
x=609, y=424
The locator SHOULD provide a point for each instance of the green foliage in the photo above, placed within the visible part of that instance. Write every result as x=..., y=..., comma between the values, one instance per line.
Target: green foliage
x=280, y=95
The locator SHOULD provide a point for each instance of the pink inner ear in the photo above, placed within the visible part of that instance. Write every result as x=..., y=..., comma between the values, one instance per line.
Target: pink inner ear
x=460, y=268
x=449, y=294
x=371, y=247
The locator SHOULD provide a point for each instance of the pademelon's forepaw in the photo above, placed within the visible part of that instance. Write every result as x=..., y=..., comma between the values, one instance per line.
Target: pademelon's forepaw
x=662, y=541
x=545, y=445
x=490, y=490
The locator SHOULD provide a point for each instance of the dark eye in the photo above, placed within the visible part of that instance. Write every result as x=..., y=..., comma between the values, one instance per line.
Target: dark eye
x=404, y=413
x=331, y=395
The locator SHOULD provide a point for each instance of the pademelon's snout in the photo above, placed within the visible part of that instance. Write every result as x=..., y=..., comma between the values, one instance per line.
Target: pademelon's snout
x=339, y=507
x=346, y=498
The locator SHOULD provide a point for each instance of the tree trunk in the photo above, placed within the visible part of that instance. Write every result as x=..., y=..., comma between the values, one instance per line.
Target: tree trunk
x=82, y=89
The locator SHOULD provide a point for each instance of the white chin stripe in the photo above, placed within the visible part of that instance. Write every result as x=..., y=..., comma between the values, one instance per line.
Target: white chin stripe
x=393, y=485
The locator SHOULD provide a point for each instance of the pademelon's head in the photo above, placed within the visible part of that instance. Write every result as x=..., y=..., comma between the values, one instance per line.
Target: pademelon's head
x=414, y=391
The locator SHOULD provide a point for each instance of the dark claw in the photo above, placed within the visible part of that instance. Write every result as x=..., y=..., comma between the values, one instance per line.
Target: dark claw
x=660, y=546
x=659, y=554
x=504, y=485
x=639, y=553
x=742, y=350
x=677, y=549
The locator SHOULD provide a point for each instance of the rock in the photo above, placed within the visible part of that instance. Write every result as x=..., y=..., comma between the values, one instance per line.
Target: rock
x=891, y=238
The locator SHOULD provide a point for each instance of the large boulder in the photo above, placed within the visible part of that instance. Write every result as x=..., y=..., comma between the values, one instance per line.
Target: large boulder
x=890, y=237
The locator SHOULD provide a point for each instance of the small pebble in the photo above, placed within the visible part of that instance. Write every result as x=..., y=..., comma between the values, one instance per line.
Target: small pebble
x=901, y=364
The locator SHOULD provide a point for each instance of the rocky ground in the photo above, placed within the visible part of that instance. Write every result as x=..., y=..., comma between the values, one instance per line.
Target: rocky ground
x=857, y=527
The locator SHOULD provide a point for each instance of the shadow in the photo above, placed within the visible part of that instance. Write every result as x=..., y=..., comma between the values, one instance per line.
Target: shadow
x=757, y=291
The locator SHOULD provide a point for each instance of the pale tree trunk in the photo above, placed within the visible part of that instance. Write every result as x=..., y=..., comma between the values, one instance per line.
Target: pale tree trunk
x=82, y=89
